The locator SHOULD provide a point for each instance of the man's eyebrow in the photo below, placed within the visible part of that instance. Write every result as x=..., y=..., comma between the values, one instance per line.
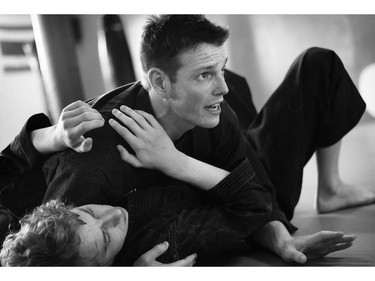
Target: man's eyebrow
x=211, y=66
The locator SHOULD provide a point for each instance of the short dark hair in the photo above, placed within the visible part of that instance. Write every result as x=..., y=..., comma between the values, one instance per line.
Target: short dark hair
x=47, y=237
x=166, y=36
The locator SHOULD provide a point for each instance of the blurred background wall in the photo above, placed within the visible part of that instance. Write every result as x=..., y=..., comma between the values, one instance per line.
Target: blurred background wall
x=260, y=47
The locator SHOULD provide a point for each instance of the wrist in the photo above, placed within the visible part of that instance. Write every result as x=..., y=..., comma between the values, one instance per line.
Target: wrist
x=281, y=246
x=273, y=236
x=57, y=140
x=174, y=167
x=46, y=140
x=41, y=140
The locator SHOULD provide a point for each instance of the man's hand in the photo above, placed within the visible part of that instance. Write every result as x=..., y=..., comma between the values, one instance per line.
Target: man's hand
x=149, y=258
x=275, y=237
x=153, y=147
x=75, y=120
x=299, y=249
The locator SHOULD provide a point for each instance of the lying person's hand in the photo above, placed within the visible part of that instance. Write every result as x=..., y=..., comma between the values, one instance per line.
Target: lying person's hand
x=75, y=120
x=149, y=258
x=300, y=248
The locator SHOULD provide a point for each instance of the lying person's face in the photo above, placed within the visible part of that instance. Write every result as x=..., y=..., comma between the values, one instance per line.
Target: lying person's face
x=103, y=232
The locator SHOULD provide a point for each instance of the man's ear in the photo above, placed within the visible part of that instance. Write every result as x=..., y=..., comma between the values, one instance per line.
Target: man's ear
x=158, y=81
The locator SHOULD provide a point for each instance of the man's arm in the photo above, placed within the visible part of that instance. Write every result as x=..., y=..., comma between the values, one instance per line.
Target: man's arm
x=155, y=150
x=21, y=161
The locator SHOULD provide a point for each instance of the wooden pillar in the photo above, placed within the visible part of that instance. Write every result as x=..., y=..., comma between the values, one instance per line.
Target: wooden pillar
x=56, y=40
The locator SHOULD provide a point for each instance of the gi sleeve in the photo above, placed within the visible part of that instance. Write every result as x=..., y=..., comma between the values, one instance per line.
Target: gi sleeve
x=233, y=210
x=22, y=183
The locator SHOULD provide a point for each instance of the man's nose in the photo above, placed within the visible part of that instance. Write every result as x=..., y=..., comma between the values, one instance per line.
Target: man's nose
x=112, y=217
x=222, y=87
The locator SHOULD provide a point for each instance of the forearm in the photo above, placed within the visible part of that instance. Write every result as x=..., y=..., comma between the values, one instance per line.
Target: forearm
x=195, y=172
x=272, y=236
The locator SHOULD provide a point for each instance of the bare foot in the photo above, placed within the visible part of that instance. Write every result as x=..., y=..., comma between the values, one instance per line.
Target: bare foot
x=342, y=196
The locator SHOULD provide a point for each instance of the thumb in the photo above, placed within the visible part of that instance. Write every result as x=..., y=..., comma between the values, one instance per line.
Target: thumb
x=292, y=254
x=127, y=157
x=84, y=145
x=299, y=257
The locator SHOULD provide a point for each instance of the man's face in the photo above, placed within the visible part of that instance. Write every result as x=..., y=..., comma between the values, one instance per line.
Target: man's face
x=103, y=232
x=198, y=91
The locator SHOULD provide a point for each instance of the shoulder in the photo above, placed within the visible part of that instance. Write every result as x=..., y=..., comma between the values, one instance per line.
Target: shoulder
x=122, y=92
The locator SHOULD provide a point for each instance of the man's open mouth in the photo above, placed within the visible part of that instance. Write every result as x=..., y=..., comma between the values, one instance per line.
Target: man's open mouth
x=213, y=107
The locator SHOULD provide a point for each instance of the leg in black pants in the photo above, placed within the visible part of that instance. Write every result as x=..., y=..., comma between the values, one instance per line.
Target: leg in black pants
x=313, y=108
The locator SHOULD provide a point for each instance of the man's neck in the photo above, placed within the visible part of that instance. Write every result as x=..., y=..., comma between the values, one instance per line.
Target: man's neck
x=172, y=124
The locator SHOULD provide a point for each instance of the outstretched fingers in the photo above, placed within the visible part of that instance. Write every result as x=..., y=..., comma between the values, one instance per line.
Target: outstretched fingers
x=128, y=157
x=123, y=131
x=342, y=243
x=332, y=237
x=149, y=118
x=325, y=242
x=130, y=139
x=131, y=118
x=339, y=247
x=324, y=237
x=348, y=238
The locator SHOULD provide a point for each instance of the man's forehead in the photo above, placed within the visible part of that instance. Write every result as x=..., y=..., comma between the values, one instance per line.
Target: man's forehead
x=204, y=56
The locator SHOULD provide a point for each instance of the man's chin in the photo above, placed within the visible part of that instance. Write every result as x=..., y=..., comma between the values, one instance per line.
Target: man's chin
x=211, y=124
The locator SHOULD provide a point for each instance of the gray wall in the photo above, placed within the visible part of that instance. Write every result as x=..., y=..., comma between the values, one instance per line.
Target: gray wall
x=261, y=47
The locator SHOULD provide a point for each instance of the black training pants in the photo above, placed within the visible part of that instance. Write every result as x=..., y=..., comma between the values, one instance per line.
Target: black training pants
x=314, y=107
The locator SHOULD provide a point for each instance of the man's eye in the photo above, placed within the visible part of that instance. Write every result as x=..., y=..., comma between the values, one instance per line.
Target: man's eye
x=204, y=76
